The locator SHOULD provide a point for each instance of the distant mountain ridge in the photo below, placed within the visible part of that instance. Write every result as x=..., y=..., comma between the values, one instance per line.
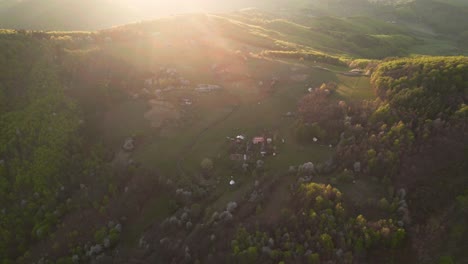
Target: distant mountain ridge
x=443, y=16
x=99, y=14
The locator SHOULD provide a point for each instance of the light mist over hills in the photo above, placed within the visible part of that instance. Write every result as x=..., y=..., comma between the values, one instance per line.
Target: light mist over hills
x=98, y=14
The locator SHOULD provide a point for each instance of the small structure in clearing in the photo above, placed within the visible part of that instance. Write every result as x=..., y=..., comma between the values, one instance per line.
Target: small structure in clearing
x=129, y=144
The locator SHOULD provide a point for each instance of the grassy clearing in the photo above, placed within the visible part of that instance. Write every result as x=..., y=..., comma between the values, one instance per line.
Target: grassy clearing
x=356, y=88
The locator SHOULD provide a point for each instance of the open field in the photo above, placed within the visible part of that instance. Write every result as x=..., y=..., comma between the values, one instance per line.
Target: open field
x=242, y=107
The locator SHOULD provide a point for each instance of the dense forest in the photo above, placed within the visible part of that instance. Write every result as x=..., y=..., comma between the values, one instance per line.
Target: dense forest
x=421, y=109
x=45, y=150
x=40, y=143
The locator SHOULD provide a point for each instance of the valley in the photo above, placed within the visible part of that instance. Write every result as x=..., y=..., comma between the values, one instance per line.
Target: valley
x=241, y=137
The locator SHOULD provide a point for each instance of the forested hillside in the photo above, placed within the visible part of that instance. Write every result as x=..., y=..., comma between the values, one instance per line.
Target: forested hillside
x=40, y=145
x=429, y=96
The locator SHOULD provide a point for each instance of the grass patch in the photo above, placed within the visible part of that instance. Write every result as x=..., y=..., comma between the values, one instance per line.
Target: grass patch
x=356, y=88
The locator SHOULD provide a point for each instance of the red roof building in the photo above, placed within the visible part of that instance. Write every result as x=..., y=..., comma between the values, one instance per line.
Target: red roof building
x=257, y=140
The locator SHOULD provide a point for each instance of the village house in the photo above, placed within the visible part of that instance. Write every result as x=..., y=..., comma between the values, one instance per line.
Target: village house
x=257, y=140
x=186, y=101
x=240, y=137
x=207, y=88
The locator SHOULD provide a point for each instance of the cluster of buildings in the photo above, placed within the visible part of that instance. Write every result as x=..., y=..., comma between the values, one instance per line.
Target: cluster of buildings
x=251, y=149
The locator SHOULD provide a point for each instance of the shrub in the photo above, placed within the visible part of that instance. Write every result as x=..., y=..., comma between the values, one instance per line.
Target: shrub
x=313, y=258
x=446, y=260
x=345, y=176
x=384, y=204
x=114, y=237
x=100, y=234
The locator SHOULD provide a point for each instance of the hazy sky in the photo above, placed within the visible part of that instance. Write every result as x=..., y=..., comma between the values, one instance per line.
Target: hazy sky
x=182, y=6
x=98, y=14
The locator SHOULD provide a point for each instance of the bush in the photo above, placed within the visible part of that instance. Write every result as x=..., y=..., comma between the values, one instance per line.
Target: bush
x=114, y=237
x=41, y=231
x=345, y=176
x=446, y=260
x=384, y=204
x=313, y=258
x=100, y=234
